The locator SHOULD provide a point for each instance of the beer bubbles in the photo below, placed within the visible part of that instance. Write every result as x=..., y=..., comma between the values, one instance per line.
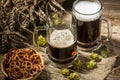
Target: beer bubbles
x=83, y=9
x=61, y=38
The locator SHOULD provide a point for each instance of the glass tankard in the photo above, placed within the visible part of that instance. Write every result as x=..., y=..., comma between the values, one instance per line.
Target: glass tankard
x=61, y=38
x=87, y=18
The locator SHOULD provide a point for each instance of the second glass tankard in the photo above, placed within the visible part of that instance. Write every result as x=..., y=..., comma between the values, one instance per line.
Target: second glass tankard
x=87, y=18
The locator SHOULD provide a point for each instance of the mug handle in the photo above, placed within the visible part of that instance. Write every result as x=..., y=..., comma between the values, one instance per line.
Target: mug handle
x=109, y=28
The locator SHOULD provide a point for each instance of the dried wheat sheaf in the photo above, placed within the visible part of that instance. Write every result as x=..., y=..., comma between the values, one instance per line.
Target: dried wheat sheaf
x=18, y=18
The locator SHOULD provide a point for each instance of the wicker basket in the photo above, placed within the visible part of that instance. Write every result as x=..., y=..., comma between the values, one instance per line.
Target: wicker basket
x=29, y=78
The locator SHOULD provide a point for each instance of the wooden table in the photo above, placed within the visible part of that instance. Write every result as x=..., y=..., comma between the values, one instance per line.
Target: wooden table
x=53, y=73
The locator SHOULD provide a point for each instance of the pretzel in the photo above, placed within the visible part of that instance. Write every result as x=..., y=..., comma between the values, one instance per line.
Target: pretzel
x=40, y=67
x=12, y=58
x=34, y=57
x=14, y=64
x=8, y=70
x=31, y=51
x=12, y=49
x=14, y=72
x=25, y=74
x=36, y=61
x=8, y=56
x=21, y=57
x=22, y=63
x=34, y=70
x=27, y=65
x=17, y=71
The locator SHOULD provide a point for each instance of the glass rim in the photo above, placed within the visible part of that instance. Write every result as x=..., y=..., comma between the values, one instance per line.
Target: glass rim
x=74, y=4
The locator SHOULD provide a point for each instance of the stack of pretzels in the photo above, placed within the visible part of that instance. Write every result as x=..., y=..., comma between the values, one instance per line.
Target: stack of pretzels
x=22, y=63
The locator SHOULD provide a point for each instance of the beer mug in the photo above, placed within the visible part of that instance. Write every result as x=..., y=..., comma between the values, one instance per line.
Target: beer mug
x=87, y=18
x=61, y=38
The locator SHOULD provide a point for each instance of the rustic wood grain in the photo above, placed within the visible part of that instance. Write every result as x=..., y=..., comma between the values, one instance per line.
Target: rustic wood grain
x=111, y=8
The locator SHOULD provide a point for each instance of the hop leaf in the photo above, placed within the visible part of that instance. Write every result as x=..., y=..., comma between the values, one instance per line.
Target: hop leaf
x=65, y=72
x=41, y=40
x=73, y=76
x=104, y=51
x=94, y=56
x=54, y=15
x=77, y=64
x=91, y=64
x=58, y=21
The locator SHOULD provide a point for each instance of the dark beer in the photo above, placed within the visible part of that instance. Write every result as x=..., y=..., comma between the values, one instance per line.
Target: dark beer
x=87, y=20
x=88, y=32
x=62, y=46
x=62, y=55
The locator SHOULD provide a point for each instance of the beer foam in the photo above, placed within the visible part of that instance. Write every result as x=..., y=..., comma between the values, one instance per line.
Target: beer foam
x=61, y=38
x=87, y=10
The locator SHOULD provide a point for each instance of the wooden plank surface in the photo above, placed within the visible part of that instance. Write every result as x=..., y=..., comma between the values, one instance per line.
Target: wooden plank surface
x=111, y=8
